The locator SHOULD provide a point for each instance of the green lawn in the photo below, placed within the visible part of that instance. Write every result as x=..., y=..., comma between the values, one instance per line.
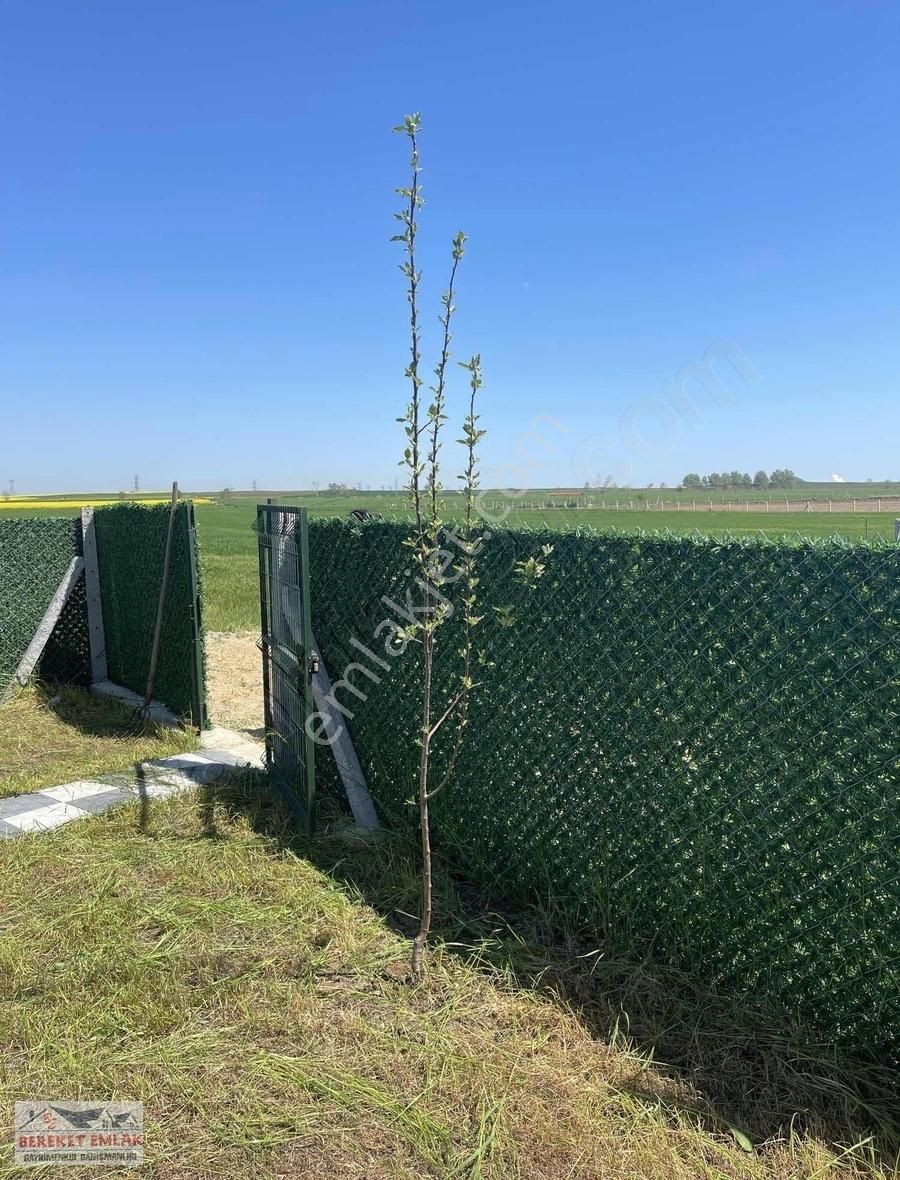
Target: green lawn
x=254, y=994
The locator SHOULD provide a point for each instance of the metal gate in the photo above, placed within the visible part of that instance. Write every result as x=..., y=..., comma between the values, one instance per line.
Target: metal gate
x=287, y=651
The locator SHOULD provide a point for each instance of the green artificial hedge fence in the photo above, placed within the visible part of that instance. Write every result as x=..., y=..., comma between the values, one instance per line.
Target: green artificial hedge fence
x=693, y=743
x=131, y=541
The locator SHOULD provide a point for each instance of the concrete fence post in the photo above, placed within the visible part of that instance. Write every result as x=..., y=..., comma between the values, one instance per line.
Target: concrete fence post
x=96, y=633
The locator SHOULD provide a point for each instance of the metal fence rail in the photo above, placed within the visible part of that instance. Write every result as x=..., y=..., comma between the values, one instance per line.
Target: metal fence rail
x=694, y=743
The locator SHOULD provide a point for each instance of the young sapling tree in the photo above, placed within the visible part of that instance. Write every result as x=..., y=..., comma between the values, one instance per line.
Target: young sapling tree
x=424, y=423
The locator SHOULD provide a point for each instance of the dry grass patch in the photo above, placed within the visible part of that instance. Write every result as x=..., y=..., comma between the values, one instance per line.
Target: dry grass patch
x=234, y=680
x=261, y=1010
x=74, y=735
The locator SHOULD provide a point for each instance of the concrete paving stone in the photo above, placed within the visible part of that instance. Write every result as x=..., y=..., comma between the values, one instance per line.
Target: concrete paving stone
x=53, y=806
x=44, y=818
x=94, y=804
x=19, y=803
x=73, y=792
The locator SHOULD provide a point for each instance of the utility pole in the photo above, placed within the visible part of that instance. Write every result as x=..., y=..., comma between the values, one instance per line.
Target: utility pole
x=137, y=483
x=254, y=487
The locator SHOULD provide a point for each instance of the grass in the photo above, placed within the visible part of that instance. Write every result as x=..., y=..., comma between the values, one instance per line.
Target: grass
x=231, y=586
x=76, y=736
x=253, y=992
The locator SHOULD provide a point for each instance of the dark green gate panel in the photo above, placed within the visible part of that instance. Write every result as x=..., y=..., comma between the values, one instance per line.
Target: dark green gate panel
x=286, y=642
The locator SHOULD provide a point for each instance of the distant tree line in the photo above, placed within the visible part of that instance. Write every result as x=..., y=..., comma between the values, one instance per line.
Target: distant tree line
x=781, y=477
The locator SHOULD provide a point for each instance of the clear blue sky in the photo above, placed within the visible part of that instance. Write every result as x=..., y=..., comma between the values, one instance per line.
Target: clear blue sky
x=196, y=203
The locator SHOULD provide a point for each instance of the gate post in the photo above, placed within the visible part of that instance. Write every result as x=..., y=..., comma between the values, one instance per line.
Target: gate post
x=265, y=631
x=199, y=680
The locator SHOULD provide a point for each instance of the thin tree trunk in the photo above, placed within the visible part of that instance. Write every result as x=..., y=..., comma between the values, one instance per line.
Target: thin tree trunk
x=421, y=940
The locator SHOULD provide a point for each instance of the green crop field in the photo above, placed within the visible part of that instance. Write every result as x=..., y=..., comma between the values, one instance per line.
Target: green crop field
x=228, y=543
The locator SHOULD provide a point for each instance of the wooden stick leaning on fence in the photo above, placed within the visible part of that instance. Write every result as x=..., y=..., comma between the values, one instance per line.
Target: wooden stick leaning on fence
x=163, y=595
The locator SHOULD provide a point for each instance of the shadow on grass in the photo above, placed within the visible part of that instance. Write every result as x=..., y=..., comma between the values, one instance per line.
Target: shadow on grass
x=735, y=1065
x=95, y=716
x=50, y=736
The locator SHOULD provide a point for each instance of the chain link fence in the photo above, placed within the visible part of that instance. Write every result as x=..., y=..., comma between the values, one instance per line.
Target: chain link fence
x=67, y=656
x=35, y=553
x=691, y=743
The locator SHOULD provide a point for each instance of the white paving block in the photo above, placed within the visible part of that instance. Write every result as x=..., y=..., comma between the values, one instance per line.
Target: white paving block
x=161, y=785
x=43, y=818
x=152, y=780
x=69, y=792
x=244, y=748
x=194, y=759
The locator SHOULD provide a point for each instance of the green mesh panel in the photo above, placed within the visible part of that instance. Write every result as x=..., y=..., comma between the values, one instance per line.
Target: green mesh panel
x=131, y=542
x=695, y=743
x=35, y=552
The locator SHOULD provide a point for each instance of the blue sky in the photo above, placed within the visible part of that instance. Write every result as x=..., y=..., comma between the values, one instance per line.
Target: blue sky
x=197, y=282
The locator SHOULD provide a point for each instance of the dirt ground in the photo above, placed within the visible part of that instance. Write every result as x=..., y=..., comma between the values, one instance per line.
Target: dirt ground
x=234, y=681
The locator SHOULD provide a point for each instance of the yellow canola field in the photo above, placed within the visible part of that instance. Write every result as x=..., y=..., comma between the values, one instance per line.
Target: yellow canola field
x=91, y=502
